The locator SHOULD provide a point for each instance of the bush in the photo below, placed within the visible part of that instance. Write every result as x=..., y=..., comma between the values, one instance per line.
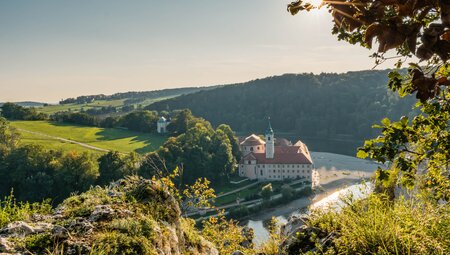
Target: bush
x=10, y=210
x=377, y=225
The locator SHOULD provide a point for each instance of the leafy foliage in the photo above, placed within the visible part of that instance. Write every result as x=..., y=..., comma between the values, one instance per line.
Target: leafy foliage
x=412, y=28
x=17, y=112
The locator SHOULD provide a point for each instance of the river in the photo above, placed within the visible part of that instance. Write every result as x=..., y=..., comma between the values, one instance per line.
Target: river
x=340, y=175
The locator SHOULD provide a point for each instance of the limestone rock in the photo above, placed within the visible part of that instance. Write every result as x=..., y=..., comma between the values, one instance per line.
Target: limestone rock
x=5, y=246
x=60, y=232
x=42, y=227
x=101, y=212
x=237, y=253
x=17, y=229
x=79, y=226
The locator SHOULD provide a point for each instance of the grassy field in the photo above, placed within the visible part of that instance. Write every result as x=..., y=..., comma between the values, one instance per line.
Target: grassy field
x=104, y=138
x=50, y=109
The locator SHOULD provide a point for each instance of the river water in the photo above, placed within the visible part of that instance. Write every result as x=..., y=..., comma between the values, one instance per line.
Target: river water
x=341, y=176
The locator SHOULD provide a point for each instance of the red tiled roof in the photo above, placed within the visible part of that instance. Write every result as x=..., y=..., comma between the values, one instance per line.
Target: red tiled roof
x=253, y=140
x=282, y=155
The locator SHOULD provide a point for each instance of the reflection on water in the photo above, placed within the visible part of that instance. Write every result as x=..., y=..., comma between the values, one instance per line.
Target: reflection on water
x=333, y=201
x=337, y=199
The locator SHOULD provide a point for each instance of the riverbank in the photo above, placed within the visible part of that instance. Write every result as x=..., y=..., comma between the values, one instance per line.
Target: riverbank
x=336, y=172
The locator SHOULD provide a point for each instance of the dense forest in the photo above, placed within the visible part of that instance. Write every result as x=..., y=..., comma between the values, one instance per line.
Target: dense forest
x=326, y=106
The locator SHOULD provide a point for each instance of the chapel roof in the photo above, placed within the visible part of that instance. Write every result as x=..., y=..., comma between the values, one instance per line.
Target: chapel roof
x=253, y=140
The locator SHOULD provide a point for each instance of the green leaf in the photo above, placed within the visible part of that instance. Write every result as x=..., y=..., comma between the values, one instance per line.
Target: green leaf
x=386, y=122
x=362, y=154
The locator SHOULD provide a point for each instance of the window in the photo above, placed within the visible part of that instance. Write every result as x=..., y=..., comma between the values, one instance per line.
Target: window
x=261, y=172
x=249, y=162
x=258, y=147
x=264, y=166
x=270, y=176
x=251, y=148
x=268, y=138
x=298, y=171
x=283, y=171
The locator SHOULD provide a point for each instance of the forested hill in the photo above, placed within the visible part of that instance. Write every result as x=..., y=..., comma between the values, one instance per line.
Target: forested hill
x=318, y=108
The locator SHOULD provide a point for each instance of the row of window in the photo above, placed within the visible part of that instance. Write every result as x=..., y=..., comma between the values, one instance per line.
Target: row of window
x=279, y=176
x=281, y=166
x=287, y=171
x=251, y=148
x=274, y=171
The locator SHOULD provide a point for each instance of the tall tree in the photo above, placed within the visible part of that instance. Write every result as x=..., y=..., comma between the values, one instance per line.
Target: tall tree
x=411, y=28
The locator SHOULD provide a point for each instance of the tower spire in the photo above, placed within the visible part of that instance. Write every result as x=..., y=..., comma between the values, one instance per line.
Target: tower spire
x=269, y=128
x=270, y=143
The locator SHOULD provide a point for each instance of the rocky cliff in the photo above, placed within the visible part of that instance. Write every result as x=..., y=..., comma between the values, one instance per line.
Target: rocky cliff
x=131, y=216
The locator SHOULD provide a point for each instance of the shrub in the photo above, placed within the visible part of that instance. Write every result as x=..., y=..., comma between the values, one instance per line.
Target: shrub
x=10, y=210
x=377, y=225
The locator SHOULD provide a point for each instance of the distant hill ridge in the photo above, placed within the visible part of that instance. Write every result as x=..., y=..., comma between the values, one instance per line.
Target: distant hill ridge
x=137, y=95
x=27, y=104
x=326, y=106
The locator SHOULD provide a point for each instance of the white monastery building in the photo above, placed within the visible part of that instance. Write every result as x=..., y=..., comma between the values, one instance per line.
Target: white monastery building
x=161, y=125
x=275, y=160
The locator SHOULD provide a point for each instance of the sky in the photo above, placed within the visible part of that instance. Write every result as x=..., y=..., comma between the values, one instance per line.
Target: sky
x=53, y=49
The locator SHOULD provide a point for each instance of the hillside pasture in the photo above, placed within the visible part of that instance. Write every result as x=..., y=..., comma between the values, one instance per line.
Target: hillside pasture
x=121, y=140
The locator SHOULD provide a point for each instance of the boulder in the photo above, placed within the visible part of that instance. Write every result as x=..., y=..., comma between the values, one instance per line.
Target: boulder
x=294, y=223
x=17, y=229
x=42, y=227
x=101, y=212
x=80, y=226
x=60, y=232
x=5, y=246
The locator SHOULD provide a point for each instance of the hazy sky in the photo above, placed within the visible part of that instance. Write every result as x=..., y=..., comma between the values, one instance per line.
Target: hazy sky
x=53, y=49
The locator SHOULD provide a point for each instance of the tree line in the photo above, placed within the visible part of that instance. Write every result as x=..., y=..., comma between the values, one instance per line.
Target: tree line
x=139, y=120
x=34, y=173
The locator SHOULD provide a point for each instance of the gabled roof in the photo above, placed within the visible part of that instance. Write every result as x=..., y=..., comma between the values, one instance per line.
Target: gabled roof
x=253, y=140
x=250, y=156
x=282, y=155
x=162, y=120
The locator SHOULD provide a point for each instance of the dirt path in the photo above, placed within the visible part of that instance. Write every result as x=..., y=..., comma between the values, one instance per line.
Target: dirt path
x=64, y=140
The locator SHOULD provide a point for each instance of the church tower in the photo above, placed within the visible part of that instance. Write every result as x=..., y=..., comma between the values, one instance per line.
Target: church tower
x=270, y=143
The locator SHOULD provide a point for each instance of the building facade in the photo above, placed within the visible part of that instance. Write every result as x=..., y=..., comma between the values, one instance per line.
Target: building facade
x=161, y=125
x=273, y=159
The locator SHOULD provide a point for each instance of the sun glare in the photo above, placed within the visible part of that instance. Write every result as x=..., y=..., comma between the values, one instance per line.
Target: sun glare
x=316, y=3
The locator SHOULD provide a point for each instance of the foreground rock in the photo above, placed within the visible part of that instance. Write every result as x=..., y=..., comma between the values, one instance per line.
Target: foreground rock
x=133, y=216
x=299, y=238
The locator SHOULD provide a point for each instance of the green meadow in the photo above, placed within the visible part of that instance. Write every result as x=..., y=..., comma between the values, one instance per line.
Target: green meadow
x=121, y=140
x=50, y=109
